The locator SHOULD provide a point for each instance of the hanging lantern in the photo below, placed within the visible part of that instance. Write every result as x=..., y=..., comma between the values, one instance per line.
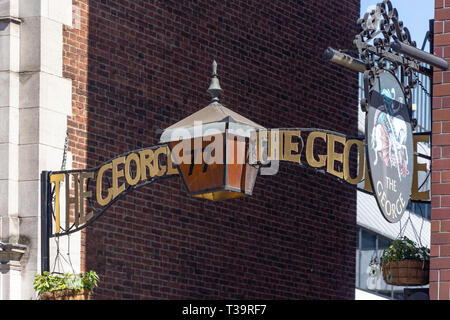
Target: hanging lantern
x=211, y=149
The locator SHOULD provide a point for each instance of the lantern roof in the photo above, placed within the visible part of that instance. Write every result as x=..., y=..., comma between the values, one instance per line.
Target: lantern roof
x=214, y=116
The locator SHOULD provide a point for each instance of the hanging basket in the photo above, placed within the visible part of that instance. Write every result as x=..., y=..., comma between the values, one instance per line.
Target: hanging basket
x=406, y=272
x=66, y=294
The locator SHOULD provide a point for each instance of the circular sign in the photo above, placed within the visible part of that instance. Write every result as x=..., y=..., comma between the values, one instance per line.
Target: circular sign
x=389, y=146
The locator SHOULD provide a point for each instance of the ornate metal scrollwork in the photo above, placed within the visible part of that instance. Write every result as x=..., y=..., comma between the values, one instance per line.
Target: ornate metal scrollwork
x=379, y=30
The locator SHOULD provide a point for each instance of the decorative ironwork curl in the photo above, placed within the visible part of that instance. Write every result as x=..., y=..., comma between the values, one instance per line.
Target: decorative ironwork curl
x=380, y=29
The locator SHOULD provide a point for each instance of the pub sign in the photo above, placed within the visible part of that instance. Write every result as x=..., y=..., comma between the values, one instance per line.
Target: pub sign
x=389, y=146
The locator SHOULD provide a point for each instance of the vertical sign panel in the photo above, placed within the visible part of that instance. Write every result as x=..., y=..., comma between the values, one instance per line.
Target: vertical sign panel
x=389, y=147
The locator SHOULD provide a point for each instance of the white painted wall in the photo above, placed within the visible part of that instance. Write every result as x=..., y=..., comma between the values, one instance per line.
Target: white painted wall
x=363, y=295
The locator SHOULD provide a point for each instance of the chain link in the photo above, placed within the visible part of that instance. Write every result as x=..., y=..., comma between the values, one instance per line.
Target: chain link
x=66, y=146
x=421, y=85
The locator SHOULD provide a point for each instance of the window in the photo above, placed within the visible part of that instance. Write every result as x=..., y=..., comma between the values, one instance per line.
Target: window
x=370, y=245
x=421, y=209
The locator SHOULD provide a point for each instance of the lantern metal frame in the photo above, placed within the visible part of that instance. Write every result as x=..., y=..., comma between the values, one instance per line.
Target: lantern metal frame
x=226, y=186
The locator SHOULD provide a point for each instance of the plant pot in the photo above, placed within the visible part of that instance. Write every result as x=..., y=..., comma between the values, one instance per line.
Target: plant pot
x=406, y=272
x=66, y=294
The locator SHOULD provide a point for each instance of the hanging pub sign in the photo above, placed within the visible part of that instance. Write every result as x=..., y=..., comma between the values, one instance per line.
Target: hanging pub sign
x=219, y=153
x=390, y=63
x=389, y=146
x=222, y=168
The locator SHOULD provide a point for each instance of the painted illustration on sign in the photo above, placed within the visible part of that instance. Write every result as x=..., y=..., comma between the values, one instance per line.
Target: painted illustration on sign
x=390, y=147
x=389, y=134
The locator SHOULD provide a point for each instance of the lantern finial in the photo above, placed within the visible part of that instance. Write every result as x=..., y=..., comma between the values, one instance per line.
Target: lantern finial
x=214, y=87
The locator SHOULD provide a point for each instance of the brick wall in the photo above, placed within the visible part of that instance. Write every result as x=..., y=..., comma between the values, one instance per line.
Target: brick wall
x=440, y=213
x=138, y=66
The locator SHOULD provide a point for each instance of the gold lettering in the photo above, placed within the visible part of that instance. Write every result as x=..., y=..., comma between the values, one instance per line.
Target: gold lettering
x=146, y=157
x=332, y=155
x=415, y=194
x=70, y=200
x=57, y=179
x=132, y=157
x=103, y=201
x=84, y=195
x=161, y=170
x=290, y=146
x=348, y=146
x=310, y=149
x=274, y=145
x=116, y=174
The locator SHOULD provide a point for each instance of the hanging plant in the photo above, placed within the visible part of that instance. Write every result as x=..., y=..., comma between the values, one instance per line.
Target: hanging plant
x=66, y=286
x=405, y=263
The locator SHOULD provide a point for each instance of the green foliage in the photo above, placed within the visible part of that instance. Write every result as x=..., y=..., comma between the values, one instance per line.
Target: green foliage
x=404, y=249
x=89, y=280
x=48, y=282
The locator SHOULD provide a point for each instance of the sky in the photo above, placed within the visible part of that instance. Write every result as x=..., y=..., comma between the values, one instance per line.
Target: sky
x=415, y=15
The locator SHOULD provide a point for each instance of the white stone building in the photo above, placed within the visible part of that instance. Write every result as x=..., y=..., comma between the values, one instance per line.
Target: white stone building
x=35, y=101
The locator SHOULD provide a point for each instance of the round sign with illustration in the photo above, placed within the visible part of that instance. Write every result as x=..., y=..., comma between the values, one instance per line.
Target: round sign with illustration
x=389, y=147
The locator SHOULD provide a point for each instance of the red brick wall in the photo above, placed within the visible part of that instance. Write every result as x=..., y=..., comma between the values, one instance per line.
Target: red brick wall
x=138, y=66
x=440, y=189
